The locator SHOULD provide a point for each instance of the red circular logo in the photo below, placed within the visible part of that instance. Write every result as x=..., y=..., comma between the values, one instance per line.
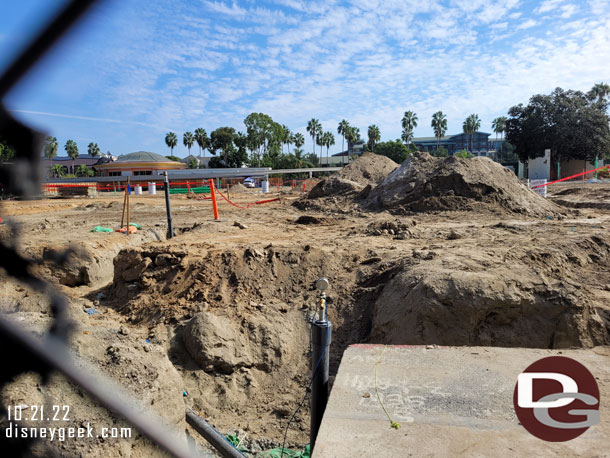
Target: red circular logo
x=556, y=399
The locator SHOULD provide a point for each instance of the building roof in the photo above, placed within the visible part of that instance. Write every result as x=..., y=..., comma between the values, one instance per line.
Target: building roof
x=80, y=156
x=142, y=156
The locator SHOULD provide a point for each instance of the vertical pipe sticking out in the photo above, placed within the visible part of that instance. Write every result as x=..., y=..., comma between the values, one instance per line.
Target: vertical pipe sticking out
x=168, y=208
x=321, y=332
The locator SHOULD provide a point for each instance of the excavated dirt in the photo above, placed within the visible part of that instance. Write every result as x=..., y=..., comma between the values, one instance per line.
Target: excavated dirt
x=368, y=169
x=220, y=312
x=427, y=183
x=365, y=172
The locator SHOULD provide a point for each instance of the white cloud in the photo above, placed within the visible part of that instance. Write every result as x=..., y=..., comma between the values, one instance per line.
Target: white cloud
x=527, y=24
x=548, y=5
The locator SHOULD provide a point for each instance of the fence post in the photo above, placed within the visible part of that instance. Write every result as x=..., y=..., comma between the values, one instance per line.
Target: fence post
x=214, y=204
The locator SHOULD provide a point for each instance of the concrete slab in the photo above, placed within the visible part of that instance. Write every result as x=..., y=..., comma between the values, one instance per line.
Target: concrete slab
x=450, y=401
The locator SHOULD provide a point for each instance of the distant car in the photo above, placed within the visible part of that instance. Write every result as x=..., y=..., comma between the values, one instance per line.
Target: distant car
x=250, y=183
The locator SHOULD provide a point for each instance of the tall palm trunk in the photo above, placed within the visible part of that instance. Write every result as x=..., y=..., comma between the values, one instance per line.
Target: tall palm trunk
x=343, y=148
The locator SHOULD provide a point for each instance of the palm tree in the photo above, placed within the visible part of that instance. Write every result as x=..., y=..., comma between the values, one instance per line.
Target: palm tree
x=313, y=126
x=57, y=171
x=286, y=137
x=470, y=126
x=409, y=123
x=188, y=140
x=72, y=149
x=374, y=136
x=328, y=140
x=352, y=135
x=50, y=148
x=439, y=125
x=171, y=140
x=341, y=130
x=298, y=140
x=599, y=91
x=499, y=127
x=93, y=149
x=319, y=134
x=201, y=137
x=83, y=171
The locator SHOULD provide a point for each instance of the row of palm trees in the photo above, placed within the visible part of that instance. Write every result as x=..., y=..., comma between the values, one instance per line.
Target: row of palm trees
x=51, y=147
x=439, y=125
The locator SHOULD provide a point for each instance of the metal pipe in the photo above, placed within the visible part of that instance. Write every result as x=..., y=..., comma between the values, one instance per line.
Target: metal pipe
x=50, y=352
x=168, y=208
x=321, y=332
x=207, y=431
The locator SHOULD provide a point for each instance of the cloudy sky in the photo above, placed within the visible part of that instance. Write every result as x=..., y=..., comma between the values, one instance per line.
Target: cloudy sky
x=136, y=69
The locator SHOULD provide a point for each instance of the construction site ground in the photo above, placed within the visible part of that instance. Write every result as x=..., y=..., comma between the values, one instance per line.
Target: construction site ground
x=217, y=316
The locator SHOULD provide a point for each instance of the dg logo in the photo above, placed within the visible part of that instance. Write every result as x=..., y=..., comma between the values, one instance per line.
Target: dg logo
x=556, y=399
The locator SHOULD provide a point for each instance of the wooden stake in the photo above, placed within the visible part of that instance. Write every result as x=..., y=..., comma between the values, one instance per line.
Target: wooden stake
x=124, y=206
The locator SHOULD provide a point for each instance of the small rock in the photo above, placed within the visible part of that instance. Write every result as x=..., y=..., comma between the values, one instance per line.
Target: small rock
x=123, y=331
x=240, y=225
x=454, y=235
x=366, y=394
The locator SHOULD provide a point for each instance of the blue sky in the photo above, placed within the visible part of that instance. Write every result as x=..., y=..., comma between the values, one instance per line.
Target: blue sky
x=136, y=69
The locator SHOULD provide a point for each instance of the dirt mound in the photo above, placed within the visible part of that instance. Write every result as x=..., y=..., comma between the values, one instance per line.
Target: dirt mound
x=530, y=299
x=427, y=183
x=368, y=169
x=334, y=186
x=238, y=188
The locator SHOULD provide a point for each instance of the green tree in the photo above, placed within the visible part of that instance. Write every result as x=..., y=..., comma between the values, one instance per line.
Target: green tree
x=328, y=140
x=464, y=154
x=93, y=150
x=439, y=126
x=440, y=152
x=201, y=137
x=409, y=123
x=374, y=136
x=499, y=127
x=57, y=171
x=173, y=158
x=394, y=149
x=599, y=91
x=222, y=139
x=313, y=158
x=313, y=129
x=187, y=140
x=171, y=140
x=352, y=135
x=263, y=134
x=342, y=130
x=50, y=148
x=7, y=152
x=470, y=126
x=569, y=123
x=84, y=171
x=72, y=150
x=298, y=140
x=193, y=163
x=286, y=135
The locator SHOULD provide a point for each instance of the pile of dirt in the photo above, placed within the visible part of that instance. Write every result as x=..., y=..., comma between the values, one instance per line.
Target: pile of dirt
x=334, y=186
x=368, y=169
x=528, y=298
x=427, y=183
x=238, y=188
x=360, y=175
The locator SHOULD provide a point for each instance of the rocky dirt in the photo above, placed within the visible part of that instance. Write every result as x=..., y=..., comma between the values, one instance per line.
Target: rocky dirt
x=223, y=310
